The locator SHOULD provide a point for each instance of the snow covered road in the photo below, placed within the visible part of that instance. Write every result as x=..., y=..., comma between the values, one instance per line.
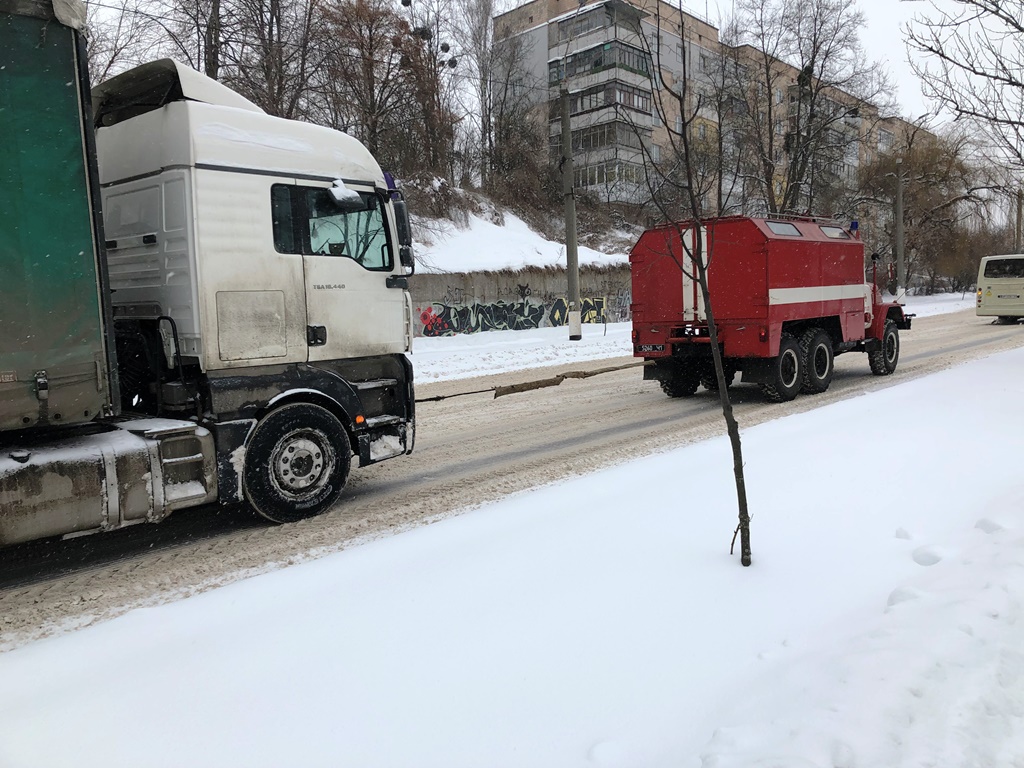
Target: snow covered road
x=600, y=621
x=470, y=450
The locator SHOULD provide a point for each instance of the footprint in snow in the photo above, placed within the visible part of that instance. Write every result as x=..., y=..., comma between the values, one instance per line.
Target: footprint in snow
x=903, y=533
x=610, y=753
x=902, y=595
x=989, y=526
x=927, y=555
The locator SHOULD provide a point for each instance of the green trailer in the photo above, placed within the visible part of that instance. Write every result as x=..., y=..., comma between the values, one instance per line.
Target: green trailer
x=54, y=348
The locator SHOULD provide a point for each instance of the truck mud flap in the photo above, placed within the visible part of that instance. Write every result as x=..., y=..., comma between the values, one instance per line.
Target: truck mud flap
x=230, y=437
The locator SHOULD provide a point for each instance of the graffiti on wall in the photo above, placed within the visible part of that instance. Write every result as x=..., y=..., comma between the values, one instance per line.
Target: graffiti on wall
x=591, y=311
x=452, y=314
x=441, y=319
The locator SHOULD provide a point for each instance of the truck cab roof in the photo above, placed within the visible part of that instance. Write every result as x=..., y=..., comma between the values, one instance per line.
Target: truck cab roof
x=156, y=84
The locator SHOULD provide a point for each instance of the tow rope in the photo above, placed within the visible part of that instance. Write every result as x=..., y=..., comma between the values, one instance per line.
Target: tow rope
x=528, y=386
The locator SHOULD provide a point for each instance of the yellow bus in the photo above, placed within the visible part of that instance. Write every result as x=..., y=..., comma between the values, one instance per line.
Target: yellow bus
x=1001, y=288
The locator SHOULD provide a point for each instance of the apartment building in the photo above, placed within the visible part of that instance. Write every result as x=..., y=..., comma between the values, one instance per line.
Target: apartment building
x=611, y=55
x=595, y=50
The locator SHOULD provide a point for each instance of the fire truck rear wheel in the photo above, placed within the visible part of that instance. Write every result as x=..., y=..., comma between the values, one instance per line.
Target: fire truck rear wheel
x=709, y=379
x=296, y=463
x=884, y=359
x=680, y=384
x=787, y=372
x=819, y=360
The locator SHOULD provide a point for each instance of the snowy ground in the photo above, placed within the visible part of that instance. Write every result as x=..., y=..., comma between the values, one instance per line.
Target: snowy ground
x=456, y=357
x=601, y=622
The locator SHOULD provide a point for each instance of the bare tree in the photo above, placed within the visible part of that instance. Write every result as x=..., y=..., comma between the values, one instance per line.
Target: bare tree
x=809, y=85
x=197, y=33
x=477, y=26
x=678, y=188
x=276, y=49
x=362, y=88
x=518, y=163
x=943, y=191
x=118, y=38
x=974, y=66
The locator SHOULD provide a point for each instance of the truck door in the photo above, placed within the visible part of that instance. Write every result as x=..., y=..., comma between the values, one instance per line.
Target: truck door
x=354, y=306
x=693, y=299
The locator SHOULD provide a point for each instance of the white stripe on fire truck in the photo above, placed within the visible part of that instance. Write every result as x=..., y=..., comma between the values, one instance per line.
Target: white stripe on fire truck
x=816, y=293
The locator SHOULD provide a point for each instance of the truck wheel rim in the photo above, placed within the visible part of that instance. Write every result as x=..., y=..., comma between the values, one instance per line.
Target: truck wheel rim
x=788, y=368
x=890, y=347
x=301, y=462
x=820, y=361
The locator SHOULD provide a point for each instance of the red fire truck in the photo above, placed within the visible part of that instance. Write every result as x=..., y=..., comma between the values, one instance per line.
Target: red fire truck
x=788, y=294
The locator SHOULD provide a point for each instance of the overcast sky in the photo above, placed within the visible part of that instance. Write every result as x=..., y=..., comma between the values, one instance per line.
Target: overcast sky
x=883, y=40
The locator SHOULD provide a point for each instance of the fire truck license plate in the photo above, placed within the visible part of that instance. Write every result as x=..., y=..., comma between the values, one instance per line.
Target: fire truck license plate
x=650, y=347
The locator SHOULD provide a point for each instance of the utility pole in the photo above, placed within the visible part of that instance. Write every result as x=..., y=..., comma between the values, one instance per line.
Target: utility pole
x=901, y=271
x=569, y=199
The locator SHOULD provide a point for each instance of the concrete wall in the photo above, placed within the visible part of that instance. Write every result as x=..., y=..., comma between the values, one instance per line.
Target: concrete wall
x=444, y=305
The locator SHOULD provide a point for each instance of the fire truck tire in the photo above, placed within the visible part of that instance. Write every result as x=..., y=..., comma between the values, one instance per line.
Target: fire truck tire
x=819, y=360
x=296, y=463
x=884, y=359
x=680, y=384
x=787, y=372
x=709, y=379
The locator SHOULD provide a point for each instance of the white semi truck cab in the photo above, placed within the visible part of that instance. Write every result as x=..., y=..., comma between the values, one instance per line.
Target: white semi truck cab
x=240, y=285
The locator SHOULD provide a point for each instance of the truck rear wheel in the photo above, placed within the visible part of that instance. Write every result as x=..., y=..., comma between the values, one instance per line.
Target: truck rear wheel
x=709, y=379
x=884, y=359
x=681, y=383
x=296, y=463
x=819, y=360
x=787, y=372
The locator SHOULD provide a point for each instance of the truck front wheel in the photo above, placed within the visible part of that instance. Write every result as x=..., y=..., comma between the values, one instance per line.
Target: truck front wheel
x=787, y=372
x=884, y=359
x=296, y=463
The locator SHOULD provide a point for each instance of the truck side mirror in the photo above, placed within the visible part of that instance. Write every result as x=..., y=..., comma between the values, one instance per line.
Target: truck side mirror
x=405, y=257
x=402, y=224
x=404, y=228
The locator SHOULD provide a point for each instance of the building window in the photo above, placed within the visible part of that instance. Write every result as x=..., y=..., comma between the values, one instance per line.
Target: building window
x=599, y=58
x=583, y=23
x=609, y=94
x=601, y=136
x=609, y=173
